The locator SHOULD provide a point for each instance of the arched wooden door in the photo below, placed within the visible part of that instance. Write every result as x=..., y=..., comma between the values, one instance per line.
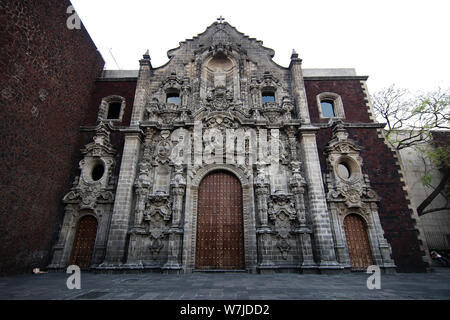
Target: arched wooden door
x=357, y=242
x=83, y=244
x=220, y=236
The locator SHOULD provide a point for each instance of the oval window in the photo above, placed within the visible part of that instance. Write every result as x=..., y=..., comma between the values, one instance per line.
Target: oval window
x=98, y=171
x=343, y=171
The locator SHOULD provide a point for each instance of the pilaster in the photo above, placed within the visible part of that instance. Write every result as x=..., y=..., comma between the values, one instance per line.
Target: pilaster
x=122, y=212
x=318, y=211
x=298, y=88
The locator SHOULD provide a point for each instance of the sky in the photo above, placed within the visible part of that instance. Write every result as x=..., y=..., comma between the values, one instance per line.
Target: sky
x=406, y=43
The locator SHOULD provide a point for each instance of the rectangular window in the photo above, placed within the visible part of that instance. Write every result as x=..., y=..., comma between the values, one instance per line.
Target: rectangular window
x=268, y=97
x=173, y=98
x=327, y=109
x=114, y=110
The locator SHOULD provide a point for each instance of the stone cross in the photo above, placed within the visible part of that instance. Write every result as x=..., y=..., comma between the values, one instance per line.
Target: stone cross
x=220, y=19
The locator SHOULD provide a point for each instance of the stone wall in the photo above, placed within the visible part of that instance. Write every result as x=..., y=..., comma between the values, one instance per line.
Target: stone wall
x=436, y=225
x=48, y=72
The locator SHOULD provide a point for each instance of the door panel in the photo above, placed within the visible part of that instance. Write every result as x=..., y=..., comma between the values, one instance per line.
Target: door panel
x=83, y=244
x=357, y=242
x=220, y=238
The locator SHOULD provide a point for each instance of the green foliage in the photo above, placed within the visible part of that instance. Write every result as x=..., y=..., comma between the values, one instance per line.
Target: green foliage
x=412, y=121
x=426, y=179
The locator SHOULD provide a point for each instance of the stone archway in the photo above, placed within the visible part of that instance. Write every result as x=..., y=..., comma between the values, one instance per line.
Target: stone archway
x=220, y=239
x=358, y=244
x=84, y=241
x=194, y=178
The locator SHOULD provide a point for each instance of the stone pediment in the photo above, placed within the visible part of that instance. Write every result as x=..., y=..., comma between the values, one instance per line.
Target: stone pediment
x=220, y=36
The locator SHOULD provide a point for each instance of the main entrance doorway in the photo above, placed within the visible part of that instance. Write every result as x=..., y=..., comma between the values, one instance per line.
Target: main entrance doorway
x=220, y=236
x=357, y=242
x=83, y=244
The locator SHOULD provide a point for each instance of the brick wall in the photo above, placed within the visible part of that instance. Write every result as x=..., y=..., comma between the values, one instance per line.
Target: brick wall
x=104, y=89
x=379, y=163
x=353, y=98
x=47, y=77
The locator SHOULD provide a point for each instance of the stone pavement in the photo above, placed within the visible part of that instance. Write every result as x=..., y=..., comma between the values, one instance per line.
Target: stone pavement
x=227, y=286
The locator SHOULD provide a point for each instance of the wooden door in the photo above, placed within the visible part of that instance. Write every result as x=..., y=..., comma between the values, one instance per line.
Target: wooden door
x=83, y=244
x=357, y=242
x=220, y=237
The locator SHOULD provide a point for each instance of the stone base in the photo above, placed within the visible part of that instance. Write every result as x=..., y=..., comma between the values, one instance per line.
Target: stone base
x=172, y=271
x=330, y=269
x=125, y=268
x=266, y=271
x=389, y=269
x=308, y=269
x=278, y=269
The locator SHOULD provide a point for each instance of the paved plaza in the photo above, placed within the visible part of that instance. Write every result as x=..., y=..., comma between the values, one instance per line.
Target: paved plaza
x=227, y=286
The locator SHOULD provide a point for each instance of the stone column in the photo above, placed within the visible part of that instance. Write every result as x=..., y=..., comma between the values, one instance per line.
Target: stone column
x=174, y=254
x=261, y=199
x=298, y=184
x=262, y=189
x=122, y=212
x=140, y=205
x=305, y=247
x=340, y=245
x=265, y=249
x=62, y=249
x=318, y=211
x=143, y=84
x=298, y=88
x=178, y=185
x=385, y=248
x=264, y=233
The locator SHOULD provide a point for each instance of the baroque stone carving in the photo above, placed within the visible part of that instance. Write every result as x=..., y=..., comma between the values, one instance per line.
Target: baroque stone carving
x=341, y=151
x=85, y=191
x=349, y=192
x=281, y=203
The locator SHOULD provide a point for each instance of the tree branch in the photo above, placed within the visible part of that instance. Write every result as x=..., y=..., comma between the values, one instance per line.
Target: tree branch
x=425, y=203
x=434, y=210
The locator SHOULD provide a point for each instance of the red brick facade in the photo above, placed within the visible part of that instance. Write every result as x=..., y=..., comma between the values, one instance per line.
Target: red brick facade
x=47, y=77
x=102, y=89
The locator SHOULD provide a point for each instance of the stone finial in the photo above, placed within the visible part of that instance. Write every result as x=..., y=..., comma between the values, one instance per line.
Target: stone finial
x=294, y=54
x=146, y=55
x=146, y=60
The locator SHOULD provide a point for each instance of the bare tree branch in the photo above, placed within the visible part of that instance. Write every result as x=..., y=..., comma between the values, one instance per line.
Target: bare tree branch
x=425, y=203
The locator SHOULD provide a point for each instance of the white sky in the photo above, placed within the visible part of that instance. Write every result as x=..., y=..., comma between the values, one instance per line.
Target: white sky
x=405, y=42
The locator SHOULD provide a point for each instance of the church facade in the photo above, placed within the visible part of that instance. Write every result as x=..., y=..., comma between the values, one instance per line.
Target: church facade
x=223, y=160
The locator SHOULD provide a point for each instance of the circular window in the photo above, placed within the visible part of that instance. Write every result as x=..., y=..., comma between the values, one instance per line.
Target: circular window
x=343, y=171
x=98, y=171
